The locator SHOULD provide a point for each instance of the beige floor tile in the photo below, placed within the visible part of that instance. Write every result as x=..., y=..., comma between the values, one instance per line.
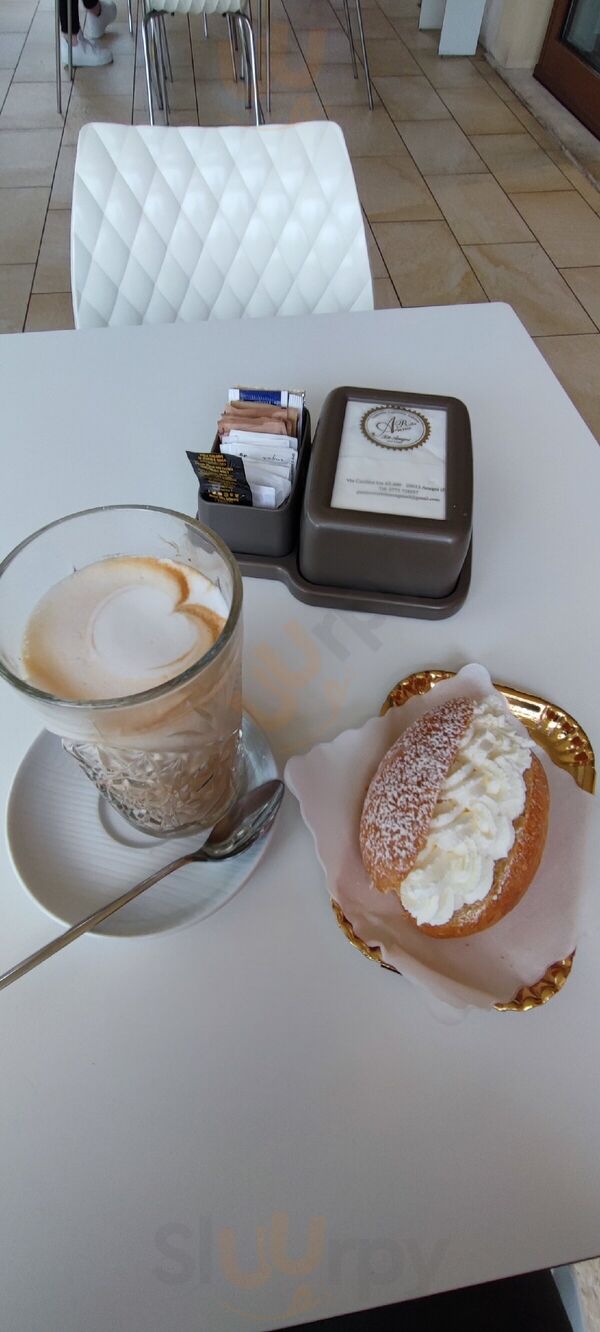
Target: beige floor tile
x=28, y=157
x=222, y=104
x=385, y=294
x=288, y=108
x=15, y=286
x=62, y=187
x=211, y=60
x=405, y=9
x=309, y=14
x=413, y=38
x=5, y=81
x=283, y=37
x=392, y=190
x=37, y=63
x=22, y=214
x=367, y=133
x=376, y=25
x=439, y=146
x=576, y=363
x=492, y=78
x=519, y=163
x=410, y=98
x=53, y=272
x=524, y=277
x=449, y=71
x=41, y=27
x=378, y=268
x=585, y=282
x=337, y=87
x=391, y=57
x=426, y=264
x=182, y=94
x=401, y=9
x=477, y=209
x=49, y=312
x=529, y=122
x=480, y=111
x=107, y=80
x=30, y=106
x=16, y=16
x=11, y=45
x=290, y=73
x=565, y=225
x=115, y=110
x=325, y=46
x=582, y=183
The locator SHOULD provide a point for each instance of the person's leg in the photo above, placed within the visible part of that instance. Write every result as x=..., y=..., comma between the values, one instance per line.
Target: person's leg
x=84, y=52
x=99, y=14
x=64, y=18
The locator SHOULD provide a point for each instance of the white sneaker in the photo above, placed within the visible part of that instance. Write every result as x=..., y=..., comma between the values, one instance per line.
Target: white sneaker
x=84, y=52
x=96, y=24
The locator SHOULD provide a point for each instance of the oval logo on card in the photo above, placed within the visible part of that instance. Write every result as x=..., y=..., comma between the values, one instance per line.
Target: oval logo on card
x=393, y=427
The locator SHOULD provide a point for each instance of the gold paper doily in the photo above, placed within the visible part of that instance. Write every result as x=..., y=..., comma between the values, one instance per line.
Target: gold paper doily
x=567, y=745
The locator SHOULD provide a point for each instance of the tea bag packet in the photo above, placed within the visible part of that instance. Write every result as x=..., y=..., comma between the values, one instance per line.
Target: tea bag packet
x=222, y=478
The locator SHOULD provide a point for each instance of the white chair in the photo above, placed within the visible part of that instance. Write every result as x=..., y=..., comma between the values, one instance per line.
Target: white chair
x=187, y=224
x=154, y=39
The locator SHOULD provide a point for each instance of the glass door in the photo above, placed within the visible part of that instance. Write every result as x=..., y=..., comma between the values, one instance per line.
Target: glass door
x=569, y=64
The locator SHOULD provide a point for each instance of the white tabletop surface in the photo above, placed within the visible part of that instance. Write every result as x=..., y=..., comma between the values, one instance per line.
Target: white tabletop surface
x=246, y=1124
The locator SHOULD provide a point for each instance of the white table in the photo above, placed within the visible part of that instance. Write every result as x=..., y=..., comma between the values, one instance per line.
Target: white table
x=166, y=1101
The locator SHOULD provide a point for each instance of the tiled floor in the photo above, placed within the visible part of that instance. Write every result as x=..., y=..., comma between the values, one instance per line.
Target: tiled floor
x=467, y=197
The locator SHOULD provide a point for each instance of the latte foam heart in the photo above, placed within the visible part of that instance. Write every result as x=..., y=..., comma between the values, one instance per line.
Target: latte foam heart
x=120, y=626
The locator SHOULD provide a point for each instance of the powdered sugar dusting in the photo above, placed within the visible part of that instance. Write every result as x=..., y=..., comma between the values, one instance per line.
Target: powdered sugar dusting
x=403, y=793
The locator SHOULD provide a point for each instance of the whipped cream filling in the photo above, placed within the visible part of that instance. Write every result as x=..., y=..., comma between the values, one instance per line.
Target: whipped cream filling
x=472, y=823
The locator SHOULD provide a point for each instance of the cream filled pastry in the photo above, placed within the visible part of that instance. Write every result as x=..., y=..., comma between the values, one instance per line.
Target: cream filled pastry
x=455, y=818
x=120, y=626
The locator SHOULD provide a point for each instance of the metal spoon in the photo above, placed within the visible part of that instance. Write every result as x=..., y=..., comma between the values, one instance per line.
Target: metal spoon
x=248, y=819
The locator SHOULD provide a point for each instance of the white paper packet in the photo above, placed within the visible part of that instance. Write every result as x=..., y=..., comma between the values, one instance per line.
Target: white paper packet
x=286, y=443
x=281, y=459
x=482, y=969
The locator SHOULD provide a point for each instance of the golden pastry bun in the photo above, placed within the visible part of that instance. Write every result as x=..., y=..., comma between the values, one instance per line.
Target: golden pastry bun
x=399, y=806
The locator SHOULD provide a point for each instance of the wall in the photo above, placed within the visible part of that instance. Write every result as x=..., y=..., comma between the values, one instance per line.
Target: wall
x=513, y=31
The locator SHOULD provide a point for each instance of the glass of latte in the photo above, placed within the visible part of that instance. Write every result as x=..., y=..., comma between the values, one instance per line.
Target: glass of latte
x=123, y=627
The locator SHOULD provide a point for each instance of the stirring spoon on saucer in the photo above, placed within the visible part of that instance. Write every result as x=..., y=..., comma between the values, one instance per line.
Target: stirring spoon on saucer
x=248, y=819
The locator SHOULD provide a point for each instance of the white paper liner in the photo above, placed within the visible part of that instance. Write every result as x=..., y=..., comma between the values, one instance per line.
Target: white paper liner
x=330, y=783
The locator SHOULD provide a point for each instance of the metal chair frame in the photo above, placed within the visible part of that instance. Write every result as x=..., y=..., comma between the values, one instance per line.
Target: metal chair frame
x=154, y=39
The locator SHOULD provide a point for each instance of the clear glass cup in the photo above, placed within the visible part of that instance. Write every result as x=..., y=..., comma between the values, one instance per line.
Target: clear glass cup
x=169, y=759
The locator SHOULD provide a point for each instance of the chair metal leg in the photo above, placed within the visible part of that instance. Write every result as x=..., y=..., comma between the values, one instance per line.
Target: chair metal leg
x=268, y=51
x=159, y=54
x=57, y=57
x=205, y=27
x=164, y=48
x=348, y=23
x=232, y=48
x=155, y=67
x=260, y=37
x=146, y=20
x=248, y=35
x=364, y=54
x=70, y=39
x=130, y=17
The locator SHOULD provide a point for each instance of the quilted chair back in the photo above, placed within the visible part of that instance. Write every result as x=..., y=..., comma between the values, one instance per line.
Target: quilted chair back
x=189, y=224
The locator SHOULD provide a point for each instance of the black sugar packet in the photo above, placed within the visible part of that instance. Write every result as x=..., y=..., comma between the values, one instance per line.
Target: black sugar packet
x=222, y=478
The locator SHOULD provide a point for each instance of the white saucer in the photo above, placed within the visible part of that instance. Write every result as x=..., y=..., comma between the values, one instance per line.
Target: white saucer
x=73, y=852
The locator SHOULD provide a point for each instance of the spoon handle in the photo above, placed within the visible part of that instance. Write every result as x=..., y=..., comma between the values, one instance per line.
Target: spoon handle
x=34, y=959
